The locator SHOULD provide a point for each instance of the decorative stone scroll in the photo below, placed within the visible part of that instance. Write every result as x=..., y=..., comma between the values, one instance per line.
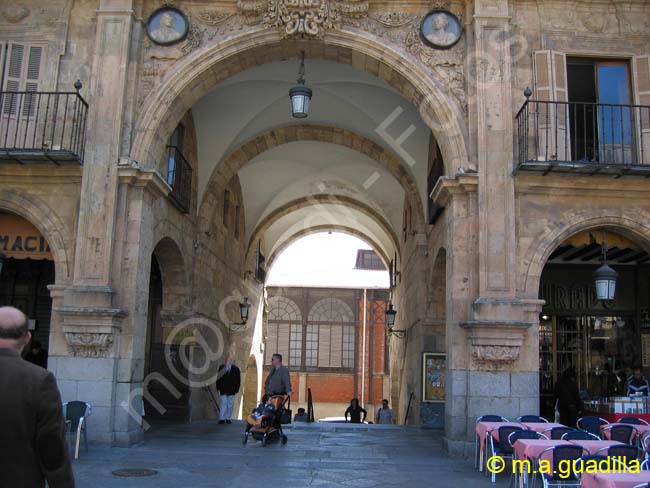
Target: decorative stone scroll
x=306, y=18
x=495, y=345
x=312, y=19
x=90, y=331
x=89, y=344
x=493, y=357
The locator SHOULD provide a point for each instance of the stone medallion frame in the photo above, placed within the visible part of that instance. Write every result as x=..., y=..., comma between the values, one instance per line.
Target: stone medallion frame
x=453, y=24
x=176, y=15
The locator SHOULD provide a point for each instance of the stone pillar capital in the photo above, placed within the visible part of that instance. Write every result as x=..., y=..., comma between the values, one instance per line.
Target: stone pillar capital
x=90, y=331
x=148, y=179
x=495, y=344
x=498, y=329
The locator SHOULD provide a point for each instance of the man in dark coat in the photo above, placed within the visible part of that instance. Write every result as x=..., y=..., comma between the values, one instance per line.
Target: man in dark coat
x=33, y=447
x=228, y=386
x=568, y=398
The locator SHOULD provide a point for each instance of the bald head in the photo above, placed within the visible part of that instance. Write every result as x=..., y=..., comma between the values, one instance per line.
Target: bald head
x=13, y=328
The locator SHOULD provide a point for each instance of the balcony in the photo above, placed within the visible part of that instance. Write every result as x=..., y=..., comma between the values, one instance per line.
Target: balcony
x=583, y=138
x=179, y=177
x=40, y=127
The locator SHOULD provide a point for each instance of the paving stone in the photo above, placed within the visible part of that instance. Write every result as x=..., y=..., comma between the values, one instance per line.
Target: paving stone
x=204, y=454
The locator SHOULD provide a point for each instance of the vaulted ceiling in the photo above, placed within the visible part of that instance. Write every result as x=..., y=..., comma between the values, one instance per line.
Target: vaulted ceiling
x=256, y=101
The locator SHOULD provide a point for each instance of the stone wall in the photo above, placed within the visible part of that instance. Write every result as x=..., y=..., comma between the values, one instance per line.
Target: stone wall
x=104, y=221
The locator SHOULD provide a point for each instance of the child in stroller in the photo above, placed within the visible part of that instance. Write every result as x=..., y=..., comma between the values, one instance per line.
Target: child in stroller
x=265, y=422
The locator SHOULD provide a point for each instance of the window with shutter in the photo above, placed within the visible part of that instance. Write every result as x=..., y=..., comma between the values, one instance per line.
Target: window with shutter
x=32, y=79
x=324, y=338
x=552, y=139
x=23, y=68
x=13, y=77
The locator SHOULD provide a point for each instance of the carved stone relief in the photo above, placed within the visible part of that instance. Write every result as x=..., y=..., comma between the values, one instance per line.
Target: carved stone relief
x=492, y=357
x=89, y=344
x=311, y=19
x=15, y=13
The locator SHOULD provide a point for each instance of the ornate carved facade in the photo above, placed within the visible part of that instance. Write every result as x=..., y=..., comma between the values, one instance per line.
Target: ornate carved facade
x=494, y=226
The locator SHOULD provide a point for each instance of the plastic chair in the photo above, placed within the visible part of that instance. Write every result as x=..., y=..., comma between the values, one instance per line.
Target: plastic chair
x=76, y=413
x=621, y=433
x=561, y=457
x=531, y=418
x=645, y=445
x=491, y=418
x=556, y=433
x=582, y=462
x=591, y=424
x=584, y=467
x=642, y=485
x=579, y=435
x=632, y=420
x=628, y=452
x=484, y=418
x=502, y=448
x=514, y=437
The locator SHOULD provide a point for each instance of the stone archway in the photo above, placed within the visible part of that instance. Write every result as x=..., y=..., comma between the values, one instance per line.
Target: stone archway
x=250, y=395
x=325, y=228
x=231, y=164
x=174, y=276
x=322, y=201
x=538, y=256
x=54, y=230
x=196, y=74
x=168, y=298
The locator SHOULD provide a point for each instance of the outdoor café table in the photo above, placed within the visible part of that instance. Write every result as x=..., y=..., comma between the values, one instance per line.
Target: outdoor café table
x=541, y=426
x=614, y=480
x=593, y=446
x=531, y=449
x=482, y=431
x=640, y=429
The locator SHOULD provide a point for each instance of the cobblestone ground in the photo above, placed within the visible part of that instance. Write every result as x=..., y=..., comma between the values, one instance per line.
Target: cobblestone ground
x=205, y=454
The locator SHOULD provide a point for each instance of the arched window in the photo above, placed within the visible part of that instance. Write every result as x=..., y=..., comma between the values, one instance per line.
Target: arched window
x=330, y=335
x=284, y=331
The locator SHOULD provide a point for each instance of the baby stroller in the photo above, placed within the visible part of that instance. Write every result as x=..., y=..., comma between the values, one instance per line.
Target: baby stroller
x=265, y=423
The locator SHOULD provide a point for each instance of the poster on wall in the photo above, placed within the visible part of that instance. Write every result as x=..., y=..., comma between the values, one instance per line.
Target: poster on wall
x=434, y=374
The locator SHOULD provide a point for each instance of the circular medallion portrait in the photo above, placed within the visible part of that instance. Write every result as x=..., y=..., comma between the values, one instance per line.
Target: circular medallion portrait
x=441, y=29
x=167, y=25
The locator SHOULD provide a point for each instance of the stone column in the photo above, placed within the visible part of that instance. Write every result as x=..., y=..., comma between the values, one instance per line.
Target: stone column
x=459, y=198
x=91, y=312
x=498, y=372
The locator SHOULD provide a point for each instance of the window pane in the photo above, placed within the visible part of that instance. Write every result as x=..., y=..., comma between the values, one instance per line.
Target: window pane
x=295, y=349
x=348, y=347
x=614, y=122
x=311, y=349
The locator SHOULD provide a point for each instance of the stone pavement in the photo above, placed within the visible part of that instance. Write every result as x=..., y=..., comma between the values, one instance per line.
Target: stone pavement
x=205, y=454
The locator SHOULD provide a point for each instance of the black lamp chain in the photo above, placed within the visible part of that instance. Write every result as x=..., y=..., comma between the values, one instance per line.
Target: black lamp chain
x=301, y=72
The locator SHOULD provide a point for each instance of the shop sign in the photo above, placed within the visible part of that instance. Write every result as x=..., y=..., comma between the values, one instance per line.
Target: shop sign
x=20, y=239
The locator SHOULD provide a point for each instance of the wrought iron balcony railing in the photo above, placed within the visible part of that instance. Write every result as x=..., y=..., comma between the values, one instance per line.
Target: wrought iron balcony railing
x=43, y=126
x=179, y=177
x=585, y=138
